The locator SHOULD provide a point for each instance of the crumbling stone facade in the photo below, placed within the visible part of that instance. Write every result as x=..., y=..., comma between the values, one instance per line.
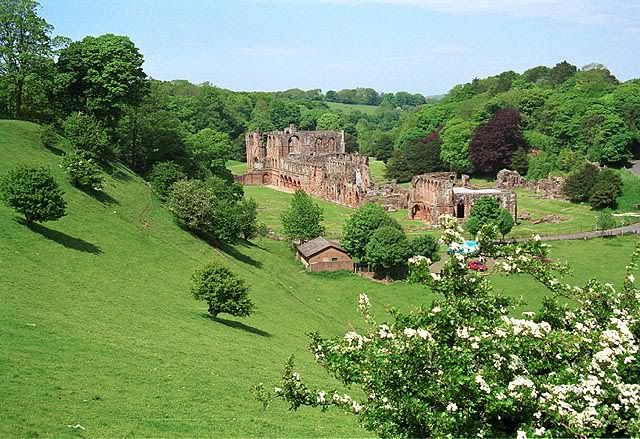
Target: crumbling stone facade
x=314, y=161
x=439, y=193
x=550, y=188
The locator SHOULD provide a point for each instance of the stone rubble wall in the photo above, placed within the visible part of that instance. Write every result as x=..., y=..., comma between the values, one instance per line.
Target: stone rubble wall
x=549, y=188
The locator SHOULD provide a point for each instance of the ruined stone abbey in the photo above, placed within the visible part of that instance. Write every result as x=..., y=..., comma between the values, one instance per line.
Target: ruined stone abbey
x=314, y=161
x=439, y=193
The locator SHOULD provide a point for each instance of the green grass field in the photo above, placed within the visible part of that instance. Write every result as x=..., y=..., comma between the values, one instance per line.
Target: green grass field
x=377, y=168
x=348, y=108
x=99, y=330
x=236, y=167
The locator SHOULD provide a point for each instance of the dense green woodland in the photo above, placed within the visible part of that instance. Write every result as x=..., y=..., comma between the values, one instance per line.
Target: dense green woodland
x=545, y=120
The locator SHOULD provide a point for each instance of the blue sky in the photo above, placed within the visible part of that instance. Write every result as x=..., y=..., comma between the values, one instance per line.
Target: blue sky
x=423, y=46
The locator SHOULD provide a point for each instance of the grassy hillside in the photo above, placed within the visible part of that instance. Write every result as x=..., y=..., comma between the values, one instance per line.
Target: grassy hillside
x=348, y=108
x=98, y=328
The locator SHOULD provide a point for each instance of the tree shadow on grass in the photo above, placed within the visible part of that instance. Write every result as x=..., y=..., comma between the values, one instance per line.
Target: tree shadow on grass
x=63, y=239
x=54, y=149
x=240, y=257
x=238, y=325
x=102, y=197
x=115, y=172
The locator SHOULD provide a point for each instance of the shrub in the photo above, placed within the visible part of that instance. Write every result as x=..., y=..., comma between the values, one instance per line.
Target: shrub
x=163, y=175
x=607, y=187
x=504, y=222
x=223, y=291
x=49, y=137
x=466, y=367
x=485, y=209
x=302, y=221
x=83, y=173
x=197, y=207
x=87, y=135
x=34, y=193
x=427, y=246
x=605, y=220
x=580, y=182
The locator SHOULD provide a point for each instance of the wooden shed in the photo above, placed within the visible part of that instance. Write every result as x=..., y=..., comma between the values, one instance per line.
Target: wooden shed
x=324, y=255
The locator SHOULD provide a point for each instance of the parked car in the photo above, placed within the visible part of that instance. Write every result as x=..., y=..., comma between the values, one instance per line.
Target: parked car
x=476, y=265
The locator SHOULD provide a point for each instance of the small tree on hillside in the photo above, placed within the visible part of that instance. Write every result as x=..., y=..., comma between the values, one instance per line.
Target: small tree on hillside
x=303, y=220
x=83, y=172
x=223, y=291
x=33, y=193
x=87, y=135
x=607, y=188
x=388, y=249
x=427, y=246
x=359, y=228
x=493, y=144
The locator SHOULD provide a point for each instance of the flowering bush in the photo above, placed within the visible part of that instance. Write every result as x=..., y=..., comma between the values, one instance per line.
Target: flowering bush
x=468, y=367
x=83, y=172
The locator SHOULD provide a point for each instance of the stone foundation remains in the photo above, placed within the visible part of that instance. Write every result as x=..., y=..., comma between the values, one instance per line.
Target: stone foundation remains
x=549, y=188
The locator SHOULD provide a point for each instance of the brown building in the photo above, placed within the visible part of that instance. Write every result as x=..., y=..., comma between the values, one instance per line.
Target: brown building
x=314, y=161
x=440, y=193
x=323, y=255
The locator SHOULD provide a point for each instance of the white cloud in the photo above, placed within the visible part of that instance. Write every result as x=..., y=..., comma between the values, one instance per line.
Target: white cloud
x=576, y=11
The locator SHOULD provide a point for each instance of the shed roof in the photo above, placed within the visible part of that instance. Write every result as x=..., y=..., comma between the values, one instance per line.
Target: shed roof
x=315, y=246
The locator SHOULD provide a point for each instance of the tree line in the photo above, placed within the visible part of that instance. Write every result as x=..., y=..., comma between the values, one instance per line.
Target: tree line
x=547, y=120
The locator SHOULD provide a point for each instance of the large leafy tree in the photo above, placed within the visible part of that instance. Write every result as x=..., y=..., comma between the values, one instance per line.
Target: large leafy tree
x=486, y=210
x=26, y=46
x=454, y=150
x=423, y=154
x=388, y=249
x=494, y=143
x=398, y=167
x=360, y=226
x=303, y=220
x=211, y=149
x=102, y=75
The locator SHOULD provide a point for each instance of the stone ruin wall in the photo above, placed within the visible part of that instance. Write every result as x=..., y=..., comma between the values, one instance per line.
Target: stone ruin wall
x=435, y=194
x=508, y=200
x=549, y=188
x=390, y=196
x=314, y=161
x=431, y=195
